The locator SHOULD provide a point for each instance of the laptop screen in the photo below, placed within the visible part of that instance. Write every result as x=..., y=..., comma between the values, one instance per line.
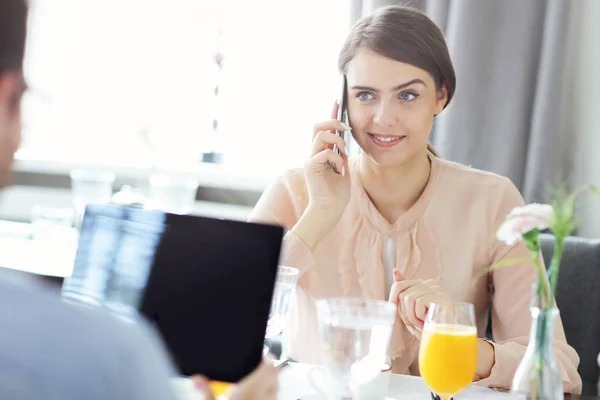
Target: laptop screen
x=206, y=284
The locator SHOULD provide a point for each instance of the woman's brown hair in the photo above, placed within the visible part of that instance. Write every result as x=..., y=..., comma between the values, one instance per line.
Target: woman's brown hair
x=407, y=35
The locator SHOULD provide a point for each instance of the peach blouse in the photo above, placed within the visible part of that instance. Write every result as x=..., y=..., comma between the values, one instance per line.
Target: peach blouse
x=449, y=234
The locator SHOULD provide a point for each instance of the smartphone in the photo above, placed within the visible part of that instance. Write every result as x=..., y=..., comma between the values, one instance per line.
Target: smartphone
x=342, y=114
x=281, y=364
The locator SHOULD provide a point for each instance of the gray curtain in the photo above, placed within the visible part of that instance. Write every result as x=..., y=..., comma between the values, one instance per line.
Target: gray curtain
x=506, y=116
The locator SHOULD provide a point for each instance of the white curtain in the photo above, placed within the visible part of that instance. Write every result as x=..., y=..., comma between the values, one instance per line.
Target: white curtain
x=582, y=124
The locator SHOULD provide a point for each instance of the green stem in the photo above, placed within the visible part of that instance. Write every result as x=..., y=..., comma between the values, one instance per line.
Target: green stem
x=554, y=266
x=539, y=352
x=542, y=287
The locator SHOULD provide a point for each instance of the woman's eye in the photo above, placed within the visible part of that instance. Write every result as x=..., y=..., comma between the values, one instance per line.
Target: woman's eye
x=364, y=96
x=408, y=96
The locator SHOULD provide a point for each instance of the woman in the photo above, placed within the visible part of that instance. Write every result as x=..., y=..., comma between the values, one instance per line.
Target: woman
x=400, y=213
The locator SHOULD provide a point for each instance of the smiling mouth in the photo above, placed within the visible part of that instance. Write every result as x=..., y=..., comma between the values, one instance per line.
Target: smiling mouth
x=386, y=140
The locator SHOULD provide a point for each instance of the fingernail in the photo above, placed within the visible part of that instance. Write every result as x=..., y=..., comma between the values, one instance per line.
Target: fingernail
x=346, y=126
x=201, y=384
x=343, y=171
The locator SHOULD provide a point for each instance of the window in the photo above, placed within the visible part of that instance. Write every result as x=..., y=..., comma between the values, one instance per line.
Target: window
x=106, y=74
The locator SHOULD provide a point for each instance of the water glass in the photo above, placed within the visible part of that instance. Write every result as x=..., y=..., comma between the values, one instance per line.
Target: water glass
x=355, y=333
x=172, y=193
x=285, y=284
x=90, y=186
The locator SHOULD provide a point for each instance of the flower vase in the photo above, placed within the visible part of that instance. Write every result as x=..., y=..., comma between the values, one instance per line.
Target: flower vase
x=537, y=377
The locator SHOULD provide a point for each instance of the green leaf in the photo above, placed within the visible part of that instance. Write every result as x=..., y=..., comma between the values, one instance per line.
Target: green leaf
x=500, y=264
x=563, y=205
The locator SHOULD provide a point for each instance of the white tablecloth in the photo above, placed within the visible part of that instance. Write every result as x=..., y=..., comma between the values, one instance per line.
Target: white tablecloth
x=52, y=259
x=294, y=385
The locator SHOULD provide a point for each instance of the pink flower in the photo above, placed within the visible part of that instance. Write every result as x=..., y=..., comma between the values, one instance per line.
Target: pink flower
x=524, y=219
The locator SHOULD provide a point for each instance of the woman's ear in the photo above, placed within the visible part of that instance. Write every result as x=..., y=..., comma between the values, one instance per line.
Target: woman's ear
x=442, y=99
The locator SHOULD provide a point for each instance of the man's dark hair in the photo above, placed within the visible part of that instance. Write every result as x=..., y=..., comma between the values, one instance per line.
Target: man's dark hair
x=13, y=26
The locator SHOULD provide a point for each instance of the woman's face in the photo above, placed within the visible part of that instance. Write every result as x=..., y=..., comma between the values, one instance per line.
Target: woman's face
x=391, y=106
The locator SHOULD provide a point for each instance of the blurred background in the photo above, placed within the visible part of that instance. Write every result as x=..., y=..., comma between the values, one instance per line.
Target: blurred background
x=208, y=100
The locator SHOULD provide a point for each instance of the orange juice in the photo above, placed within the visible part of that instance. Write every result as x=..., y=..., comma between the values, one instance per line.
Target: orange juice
x=448, y=357
x=218, y=388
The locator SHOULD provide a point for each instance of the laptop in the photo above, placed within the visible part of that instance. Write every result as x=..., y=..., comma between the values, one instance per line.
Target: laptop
x=206, y=284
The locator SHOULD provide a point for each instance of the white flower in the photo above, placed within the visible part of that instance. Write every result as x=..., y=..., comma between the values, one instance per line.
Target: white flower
x=524, y=219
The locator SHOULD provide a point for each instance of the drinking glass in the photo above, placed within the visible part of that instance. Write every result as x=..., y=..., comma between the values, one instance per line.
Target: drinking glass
x=285, y=284
x=90, y=186
x=171, y=192
x=355, y=334
x=448, y=350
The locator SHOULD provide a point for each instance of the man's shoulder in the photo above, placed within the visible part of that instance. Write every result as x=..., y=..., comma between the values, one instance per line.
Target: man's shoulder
x=33, y=303
x=33, y=313
x=83, y=349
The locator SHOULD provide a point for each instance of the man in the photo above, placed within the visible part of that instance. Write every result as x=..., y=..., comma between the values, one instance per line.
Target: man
x=53, y=350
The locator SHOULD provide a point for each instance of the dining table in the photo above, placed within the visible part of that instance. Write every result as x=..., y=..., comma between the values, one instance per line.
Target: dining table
x=294, y=384
x=21, y=253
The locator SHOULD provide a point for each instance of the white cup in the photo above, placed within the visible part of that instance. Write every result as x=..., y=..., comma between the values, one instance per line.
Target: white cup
x=326, y=385
x=376, y=389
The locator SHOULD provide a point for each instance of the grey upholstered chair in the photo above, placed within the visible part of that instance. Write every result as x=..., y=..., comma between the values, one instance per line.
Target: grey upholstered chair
x=578, y=299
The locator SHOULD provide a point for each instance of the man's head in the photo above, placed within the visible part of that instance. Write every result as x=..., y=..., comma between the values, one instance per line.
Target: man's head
x=13, y=22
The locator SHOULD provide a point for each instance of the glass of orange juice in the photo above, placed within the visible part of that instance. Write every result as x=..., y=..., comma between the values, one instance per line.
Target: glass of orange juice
x=448, y=352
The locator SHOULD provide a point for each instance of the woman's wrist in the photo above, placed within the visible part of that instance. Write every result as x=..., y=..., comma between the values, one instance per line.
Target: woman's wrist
x=486, y=358
x=314, y=226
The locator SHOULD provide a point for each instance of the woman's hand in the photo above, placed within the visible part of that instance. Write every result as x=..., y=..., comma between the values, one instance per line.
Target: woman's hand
x=486, y=358
x=413, y=297
x=328, y=180
x=326, y=172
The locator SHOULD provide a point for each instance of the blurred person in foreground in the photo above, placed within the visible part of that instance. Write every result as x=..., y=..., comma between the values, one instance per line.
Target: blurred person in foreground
x=53, y=350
